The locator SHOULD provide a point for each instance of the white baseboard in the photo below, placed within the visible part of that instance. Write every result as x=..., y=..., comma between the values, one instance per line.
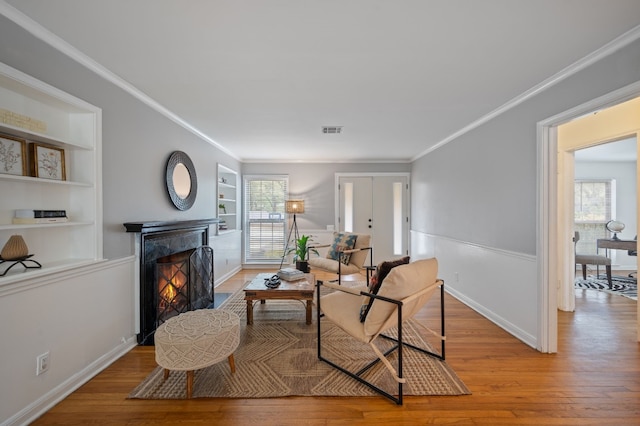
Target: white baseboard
x=64, y=389
x=499, y=284
x=228, y=275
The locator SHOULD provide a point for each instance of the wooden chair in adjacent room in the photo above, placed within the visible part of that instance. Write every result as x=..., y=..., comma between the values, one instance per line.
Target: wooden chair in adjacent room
x=633, y=253
x=592, y=259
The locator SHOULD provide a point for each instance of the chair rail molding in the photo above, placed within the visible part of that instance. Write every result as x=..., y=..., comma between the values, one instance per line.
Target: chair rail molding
x=469, y=273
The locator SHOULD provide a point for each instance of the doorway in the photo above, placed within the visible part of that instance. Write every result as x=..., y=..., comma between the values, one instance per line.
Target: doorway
x=375, y=204
x=554, y=247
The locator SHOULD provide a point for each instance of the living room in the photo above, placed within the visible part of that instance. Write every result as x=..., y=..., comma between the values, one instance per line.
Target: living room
x=463, y=210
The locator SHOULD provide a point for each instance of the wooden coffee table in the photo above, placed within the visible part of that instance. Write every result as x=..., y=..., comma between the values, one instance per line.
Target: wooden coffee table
x=291, y=290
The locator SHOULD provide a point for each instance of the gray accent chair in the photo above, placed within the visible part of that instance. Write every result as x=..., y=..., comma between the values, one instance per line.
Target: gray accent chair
x=592, y=259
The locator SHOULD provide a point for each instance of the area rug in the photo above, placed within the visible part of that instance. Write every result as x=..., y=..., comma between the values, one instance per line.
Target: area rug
x=277, y=357
x=622, y=286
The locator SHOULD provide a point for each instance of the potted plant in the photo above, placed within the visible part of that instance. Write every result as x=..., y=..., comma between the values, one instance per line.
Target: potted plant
x=301, y=252
x=222, y=208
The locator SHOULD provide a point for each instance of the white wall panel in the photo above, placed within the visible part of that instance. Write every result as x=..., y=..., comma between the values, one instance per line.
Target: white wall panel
x=499, y=284
x=83, y=318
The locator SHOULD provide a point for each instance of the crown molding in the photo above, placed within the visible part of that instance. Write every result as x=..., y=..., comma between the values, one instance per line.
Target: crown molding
x=61, y=45
x=593, y=57
x=347, y=161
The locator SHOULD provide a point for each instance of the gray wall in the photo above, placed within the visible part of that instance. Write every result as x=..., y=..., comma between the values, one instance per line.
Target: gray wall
x=136, y=142
x=481, y=187
x=315, y=184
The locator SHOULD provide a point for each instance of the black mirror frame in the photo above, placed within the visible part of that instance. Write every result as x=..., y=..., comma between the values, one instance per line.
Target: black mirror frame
x=176, y=158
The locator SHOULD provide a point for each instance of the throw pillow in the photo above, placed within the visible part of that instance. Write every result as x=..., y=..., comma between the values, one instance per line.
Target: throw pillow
x=375, y=283
x=341, y=242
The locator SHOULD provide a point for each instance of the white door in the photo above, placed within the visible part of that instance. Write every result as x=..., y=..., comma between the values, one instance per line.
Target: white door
x=376, y=205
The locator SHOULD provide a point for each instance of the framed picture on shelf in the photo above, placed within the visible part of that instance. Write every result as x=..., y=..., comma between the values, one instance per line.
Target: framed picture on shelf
x=13, y=156
x=47, y=162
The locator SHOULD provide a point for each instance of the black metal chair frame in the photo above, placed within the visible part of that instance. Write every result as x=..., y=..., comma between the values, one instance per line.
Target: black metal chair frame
x=369, y=268
x=399, y=344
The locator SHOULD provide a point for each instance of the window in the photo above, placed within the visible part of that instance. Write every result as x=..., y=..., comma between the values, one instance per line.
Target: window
x=265, y=217
x=594, y=207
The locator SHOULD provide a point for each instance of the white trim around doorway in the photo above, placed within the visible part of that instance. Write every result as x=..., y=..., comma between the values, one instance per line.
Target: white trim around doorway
x=547, y=248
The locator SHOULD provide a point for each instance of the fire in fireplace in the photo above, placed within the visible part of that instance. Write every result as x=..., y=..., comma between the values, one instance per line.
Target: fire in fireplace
x=173, y=289
x=185, y=282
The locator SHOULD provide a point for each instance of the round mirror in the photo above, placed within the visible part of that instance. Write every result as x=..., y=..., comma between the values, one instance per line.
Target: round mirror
x=181, y=180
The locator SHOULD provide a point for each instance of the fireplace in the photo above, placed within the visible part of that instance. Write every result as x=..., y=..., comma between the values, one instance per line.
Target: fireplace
x=184, y=282
x=176, y=271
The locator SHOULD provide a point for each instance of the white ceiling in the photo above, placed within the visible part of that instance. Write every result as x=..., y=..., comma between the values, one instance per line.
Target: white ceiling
x=261, y=77
x=622, y=150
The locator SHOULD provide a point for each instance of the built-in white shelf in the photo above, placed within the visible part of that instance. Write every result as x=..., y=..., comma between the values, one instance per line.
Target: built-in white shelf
x=43, y=225
x=67, y=123
x=42, y=181
x=228, y=195
x=39, y=137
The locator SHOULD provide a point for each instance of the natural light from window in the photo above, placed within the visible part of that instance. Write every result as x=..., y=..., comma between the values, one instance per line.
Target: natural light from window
x=348, y=207
x=397, y=218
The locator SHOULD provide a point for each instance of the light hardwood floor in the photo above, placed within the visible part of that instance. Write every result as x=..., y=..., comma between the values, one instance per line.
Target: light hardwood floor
x=594, y=379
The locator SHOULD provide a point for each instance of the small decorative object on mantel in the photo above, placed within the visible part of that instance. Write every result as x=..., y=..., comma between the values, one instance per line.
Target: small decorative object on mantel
x=16, y=251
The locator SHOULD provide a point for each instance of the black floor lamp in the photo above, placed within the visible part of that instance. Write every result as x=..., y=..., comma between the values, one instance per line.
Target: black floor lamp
x=292, y=207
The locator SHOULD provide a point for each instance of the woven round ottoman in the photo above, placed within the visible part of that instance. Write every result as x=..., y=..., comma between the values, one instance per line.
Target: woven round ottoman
x=195, y=340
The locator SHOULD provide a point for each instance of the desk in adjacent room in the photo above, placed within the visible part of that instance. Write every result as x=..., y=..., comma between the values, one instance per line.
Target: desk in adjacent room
x=617, y=244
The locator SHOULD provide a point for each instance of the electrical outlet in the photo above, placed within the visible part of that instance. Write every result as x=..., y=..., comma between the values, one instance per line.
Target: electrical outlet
x=42, y=363
x=457, y=276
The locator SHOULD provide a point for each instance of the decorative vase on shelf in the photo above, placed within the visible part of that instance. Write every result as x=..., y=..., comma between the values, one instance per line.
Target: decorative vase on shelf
x=15, y=248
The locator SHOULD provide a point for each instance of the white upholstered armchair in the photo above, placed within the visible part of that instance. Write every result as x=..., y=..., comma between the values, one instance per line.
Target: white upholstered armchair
x=347, y=255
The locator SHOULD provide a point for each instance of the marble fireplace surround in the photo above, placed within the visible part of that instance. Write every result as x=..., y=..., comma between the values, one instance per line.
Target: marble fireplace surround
x=156, y=239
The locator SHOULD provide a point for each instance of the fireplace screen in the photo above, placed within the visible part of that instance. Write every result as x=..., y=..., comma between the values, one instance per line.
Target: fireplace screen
x=185, y=282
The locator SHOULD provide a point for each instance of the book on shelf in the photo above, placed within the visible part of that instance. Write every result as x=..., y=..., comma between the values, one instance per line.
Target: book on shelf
x=290, y=274
x=33, y=214
x=38, y=220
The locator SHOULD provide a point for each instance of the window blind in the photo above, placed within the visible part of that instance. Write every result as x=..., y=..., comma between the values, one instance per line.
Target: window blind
x=265, y=219
x=593, y=208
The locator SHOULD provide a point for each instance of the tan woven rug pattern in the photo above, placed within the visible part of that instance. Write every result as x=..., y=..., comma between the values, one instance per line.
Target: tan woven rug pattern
x=277, y=356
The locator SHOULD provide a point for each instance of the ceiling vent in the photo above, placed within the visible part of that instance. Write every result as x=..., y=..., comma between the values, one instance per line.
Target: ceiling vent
x=332, y=130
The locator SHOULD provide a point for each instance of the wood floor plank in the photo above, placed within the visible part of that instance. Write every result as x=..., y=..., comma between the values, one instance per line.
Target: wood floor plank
x=594, y=379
